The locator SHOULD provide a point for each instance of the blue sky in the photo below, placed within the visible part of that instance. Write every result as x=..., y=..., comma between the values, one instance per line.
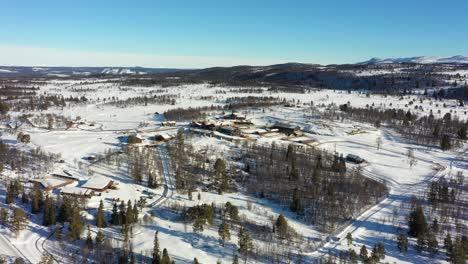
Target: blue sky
x=194, y=34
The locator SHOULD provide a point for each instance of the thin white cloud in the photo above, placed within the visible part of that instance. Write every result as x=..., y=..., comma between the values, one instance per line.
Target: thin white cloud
x=31, y=56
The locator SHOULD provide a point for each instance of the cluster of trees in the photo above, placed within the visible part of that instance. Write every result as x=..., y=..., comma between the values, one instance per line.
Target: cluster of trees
x=12, y=91
x=232, y=103
x=187, y=164
x=61, y=211
x=228, y=218
x=18, y=160
x=158, y=256
x=445, y=132
x=228, y=221
x=23, y=137
x=123, y=214
x=47, y=121
x=42, y=102
x=427, y=235
x=313, y=183
x=144, y=100
x=143, y=164
x=192, y=167
x=15, y=218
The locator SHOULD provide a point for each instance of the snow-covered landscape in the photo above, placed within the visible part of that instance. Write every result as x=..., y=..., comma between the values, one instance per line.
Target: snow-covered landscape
x=228, y=132
x=108, y=143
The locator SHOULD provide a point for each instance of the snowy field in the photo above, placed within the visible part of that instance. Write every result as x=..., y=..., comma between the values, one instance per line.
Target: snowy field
x=385, y=152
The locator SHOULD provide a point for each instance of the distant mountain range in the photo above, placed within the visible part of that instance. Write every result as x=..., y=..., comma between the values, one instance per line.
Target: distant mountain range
x=40, y=71
x=459, y=59
x=278, y=71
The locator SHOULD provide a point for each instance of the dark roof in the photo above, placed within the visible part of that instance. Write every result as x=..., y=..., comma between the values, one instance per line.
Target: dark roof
x=284, y=125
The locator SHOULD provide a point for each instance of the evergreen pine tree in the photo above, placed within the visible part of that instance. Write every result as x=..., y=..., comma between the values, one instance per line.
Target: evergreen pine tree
x=19, y=220
x=445, y=143
x=281, y=226
x=135, y=213
x=76, y=225
x=363, y=253
x=122, y=212
x=100, y=217
x=296, y=202
x=432, y=243
x=115, y=217
x=245, y=242
x=89, y=240
x=220, y=175
x=448, y=243
x=49, y=212
x=417, y=222
x=129, y=218
x=224, y=234
x=65, y=210
x=37, y=199
x=156, y=252
x=165, y=257
x=353, y=257
x=349, y=238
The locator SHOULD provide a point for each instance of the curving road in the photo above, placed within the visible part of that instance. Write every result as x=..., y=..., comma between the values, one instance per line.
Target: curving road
x=399, y=192
x=168, y=192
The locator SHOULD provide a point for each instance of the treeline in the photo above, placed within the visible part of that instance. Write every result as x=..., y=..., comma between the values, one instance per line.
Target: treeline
x=231, y=103
x=48, y=121
x=144, y=100
x=163, y=81
x=15, y=92
x=445, y=132
x=313, y=183
x=253, y=101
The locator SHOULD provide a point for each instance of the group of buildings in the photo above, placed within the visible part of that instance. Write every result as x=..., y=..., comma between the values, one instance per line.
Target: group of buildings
x=238, y=126
x=70, y=185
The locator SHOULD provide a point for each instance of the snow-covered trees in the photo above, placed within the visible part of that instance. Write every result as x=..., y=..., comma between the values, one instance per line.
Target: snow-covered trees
x=321, y=189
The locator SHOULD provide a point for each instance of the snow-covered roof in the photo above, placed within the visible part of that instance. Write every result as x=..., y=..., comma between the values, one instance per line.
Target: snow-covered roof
x=75, y=191
x=97, y=182
x=51, y=181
